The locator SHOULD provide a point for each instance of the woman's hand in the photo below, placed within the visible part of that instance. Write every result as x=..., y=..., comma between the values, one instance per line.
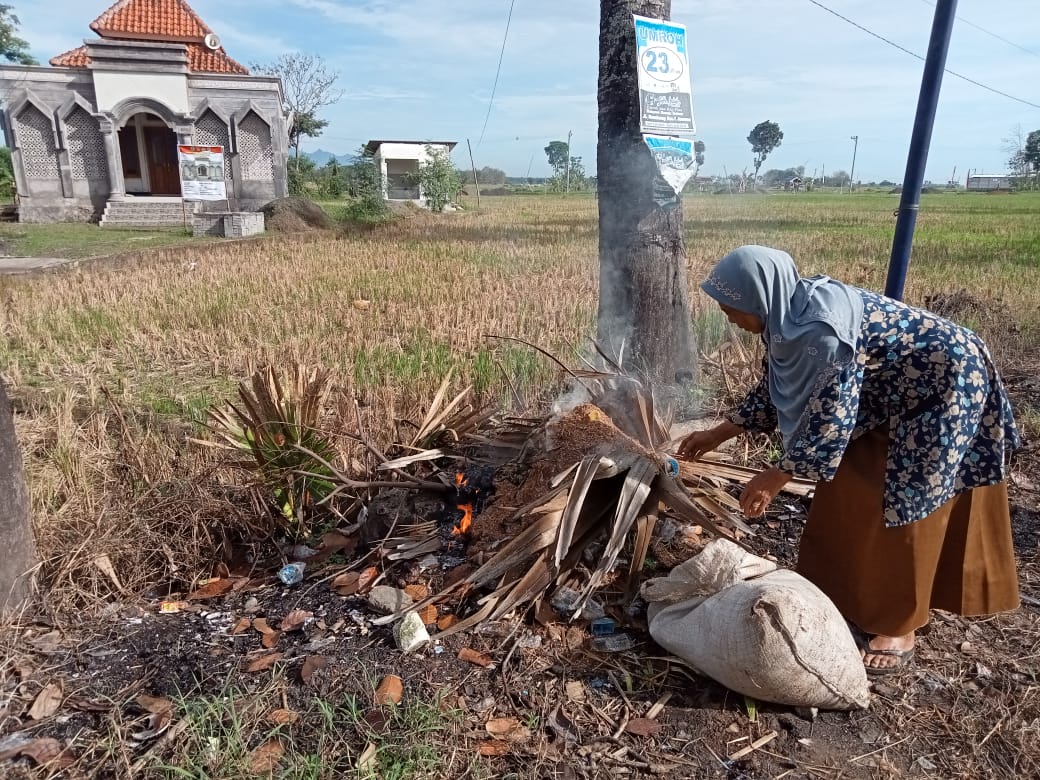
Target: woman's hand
x=700, y=443
x=761, y=490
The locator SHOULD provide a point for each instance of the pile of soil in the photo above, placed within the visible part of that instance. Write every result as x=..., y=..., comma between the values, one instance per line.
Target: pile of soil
x=294, y=215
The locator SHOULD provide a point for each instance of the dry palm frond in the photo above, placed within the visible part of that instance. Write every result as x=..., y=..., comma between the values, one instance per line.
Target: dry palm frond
x=612, y=484
x=277, y=426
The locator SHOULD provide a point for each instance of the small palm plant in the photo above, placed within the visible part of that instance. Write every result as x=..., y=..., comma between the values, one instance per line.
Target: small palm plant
x=276, y=425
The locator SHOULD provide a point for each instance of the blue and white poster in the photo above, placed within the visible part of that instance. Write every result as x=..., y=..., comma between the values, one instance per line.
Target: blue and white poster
x=675, y=159
x=665, y=94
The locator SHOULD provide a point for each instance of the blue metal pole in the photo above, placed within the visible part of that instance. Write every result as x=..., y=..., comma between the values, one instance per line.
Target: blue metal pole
x=931, y=81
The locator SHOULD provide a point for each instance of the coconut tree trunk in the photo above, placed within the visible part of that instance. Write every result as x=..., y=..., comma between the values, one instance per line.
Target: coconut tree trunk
x=644, y=305
x=19, y=549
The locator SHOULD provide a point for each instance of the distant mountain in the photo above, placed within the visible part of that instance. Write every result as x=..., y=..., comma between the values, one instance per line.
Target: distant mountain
x=320, y=157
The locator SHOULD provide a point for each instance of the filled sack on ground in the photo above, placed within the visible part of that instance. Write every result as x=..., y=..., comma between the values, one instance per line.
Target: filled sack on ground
x=765, y=632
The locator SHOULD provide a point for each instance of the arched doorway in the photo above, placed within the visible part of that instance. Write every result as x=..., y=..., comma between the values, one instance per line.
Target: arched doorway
x=148, y=148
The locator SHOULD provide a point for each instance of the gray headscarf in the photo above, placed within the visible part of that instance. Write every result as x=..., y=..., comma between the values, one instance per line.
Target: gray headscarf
x=764, y=282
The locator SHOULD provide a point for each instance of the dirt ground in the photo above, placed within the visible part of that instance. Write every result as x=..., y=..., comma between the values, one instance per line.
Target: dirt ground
x=544, y=706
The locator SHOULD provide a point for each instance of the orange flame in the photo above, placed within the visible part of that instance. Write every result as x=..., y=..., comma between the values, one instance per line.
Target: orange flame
x=466, y=521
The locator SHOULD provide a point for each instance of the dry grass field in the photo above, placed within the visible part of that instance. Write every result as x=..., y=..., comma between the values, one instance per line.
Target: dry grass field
x=112, y=365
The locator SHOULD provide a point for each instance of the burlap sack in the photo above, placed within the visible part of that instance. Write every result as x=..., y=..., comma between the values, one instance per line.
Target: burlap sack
x=764, y=632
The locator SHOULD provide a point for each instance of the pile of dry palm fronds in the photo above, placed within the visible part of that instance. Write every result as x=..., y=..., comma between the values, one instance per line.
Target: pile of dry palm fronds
x=596, y=478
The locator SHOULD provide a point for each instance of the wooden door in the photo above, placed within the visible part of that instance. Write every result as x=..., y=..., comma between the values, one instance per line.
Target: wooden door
x=163, y=173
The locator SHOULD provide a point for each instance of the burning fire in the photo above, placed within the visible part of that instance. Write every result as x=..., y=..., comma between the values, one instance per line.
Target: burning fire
x=463, y=525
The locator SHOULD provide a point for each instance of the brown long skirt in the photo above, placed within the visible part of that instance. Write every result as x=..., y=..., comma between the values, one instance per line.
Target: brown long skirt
x=884, y=580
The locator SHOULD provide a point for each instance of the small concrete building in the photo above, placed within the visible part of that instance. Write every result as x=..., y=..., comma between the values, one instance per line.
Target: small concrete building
x=988, y=182
x=399, y=161
x=95, y=136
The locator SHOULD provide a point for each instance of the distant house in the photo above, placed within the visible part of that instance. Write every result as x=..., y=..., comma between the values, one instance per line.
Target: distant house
x=989, y=181
x=399, y=162
x=101, y=127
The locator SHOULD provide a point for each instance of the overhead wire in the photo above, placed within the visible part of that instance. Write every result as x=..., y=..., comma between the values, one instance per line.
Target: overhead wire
x=498, y=72
x=892, y=43
x=990, y=33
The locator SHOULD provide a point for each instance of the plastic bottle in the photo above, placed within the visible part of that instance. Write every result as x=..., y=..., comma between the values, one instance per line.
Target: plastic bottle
x=292, y=573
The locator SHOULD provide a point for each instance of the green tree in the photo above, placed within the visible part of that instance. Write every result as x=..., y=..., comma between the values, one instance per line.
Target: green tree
x=488, y=175
x=764, y=138
x=6, y=175
x=440, y=182
x=13, y=48
x=301, y=172
x=556, y=152
x=1031, y=151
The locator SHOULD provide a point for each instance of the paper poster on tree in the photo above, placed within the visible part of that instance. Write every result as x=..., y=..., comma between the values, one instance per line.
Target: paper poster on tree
x=202, y=172
x=665, y=94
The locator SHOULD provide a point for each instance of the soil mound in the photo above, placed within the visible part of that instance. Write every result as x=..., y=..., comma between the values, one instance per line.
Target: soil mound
x=293, y=214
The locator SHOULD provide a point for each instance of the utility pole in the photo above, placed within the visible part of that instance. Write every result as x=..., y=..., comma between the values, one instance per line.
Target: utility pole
x=473, y=165
x=569, y=134
x=920, y=139
x=852, y=173
x=644, y=304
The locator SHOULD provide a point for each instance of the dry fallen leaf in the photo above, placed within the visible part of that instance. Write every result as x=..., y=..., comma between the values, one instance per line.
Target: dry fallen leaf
x=270, y=636
x=241, y=625
x=283, y=717
x=473, y=657
x=509, y=729
x=211, y=589
x=494, y=747
x=362, y=305
x=643, y=727
x=428, y=614
x=346, y=584
x=47, y=702
x=367, y=577
x=104, y=563
x=333, y=542
x=311, y=664
x=42, y=751
x=575, y=690
x=295, y=620
x=263, y=662
x=366, y=763
x=154, y=704
x=446, y=622
x=418, y=591
x=266, y=757
x=390, y=690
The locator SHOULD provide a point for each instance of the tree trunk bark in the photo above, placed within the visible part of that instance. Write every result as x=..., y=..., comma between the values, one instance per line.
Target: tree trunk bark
x=19, y=556
x=644, y=306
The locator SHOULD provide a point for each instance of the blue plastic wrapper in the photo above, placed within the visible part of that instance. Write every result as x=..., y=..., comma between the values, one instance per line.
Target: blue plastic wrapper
x=291, y=574
x=672, y=467
x=602, y=626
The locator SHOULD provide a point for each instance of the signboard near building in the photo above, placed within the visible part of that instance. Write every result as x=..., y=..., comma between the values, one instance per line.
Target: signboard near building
x=202, y=172
x=665, y=94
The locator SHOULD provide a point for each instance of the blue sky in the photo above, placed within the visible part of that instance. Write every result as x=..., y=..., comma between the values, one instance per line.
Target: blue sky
x=424, y=69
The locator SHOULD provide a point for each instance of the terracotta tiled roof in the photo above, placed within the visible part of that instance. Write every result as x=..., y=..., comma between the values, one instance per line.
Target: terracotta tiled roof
x=203, y=60
x=75, y=58
x=200, y=60
x=150, y=20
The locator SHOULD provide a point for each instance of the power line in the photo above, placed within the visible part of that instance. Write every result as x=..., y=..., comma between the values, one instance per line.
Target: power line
x=989, y=32
x=986, y=87
x=498, y=71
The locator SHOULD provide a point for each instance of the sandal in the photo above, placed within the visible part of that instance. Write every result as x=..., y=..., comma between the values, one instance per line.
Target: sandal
x=904, y=656
x=863, y=641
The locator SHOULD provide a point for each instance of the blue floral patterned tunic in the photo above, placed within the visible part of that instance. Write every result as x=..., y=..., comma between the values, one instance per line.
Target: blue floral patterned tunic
x=929, y=382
